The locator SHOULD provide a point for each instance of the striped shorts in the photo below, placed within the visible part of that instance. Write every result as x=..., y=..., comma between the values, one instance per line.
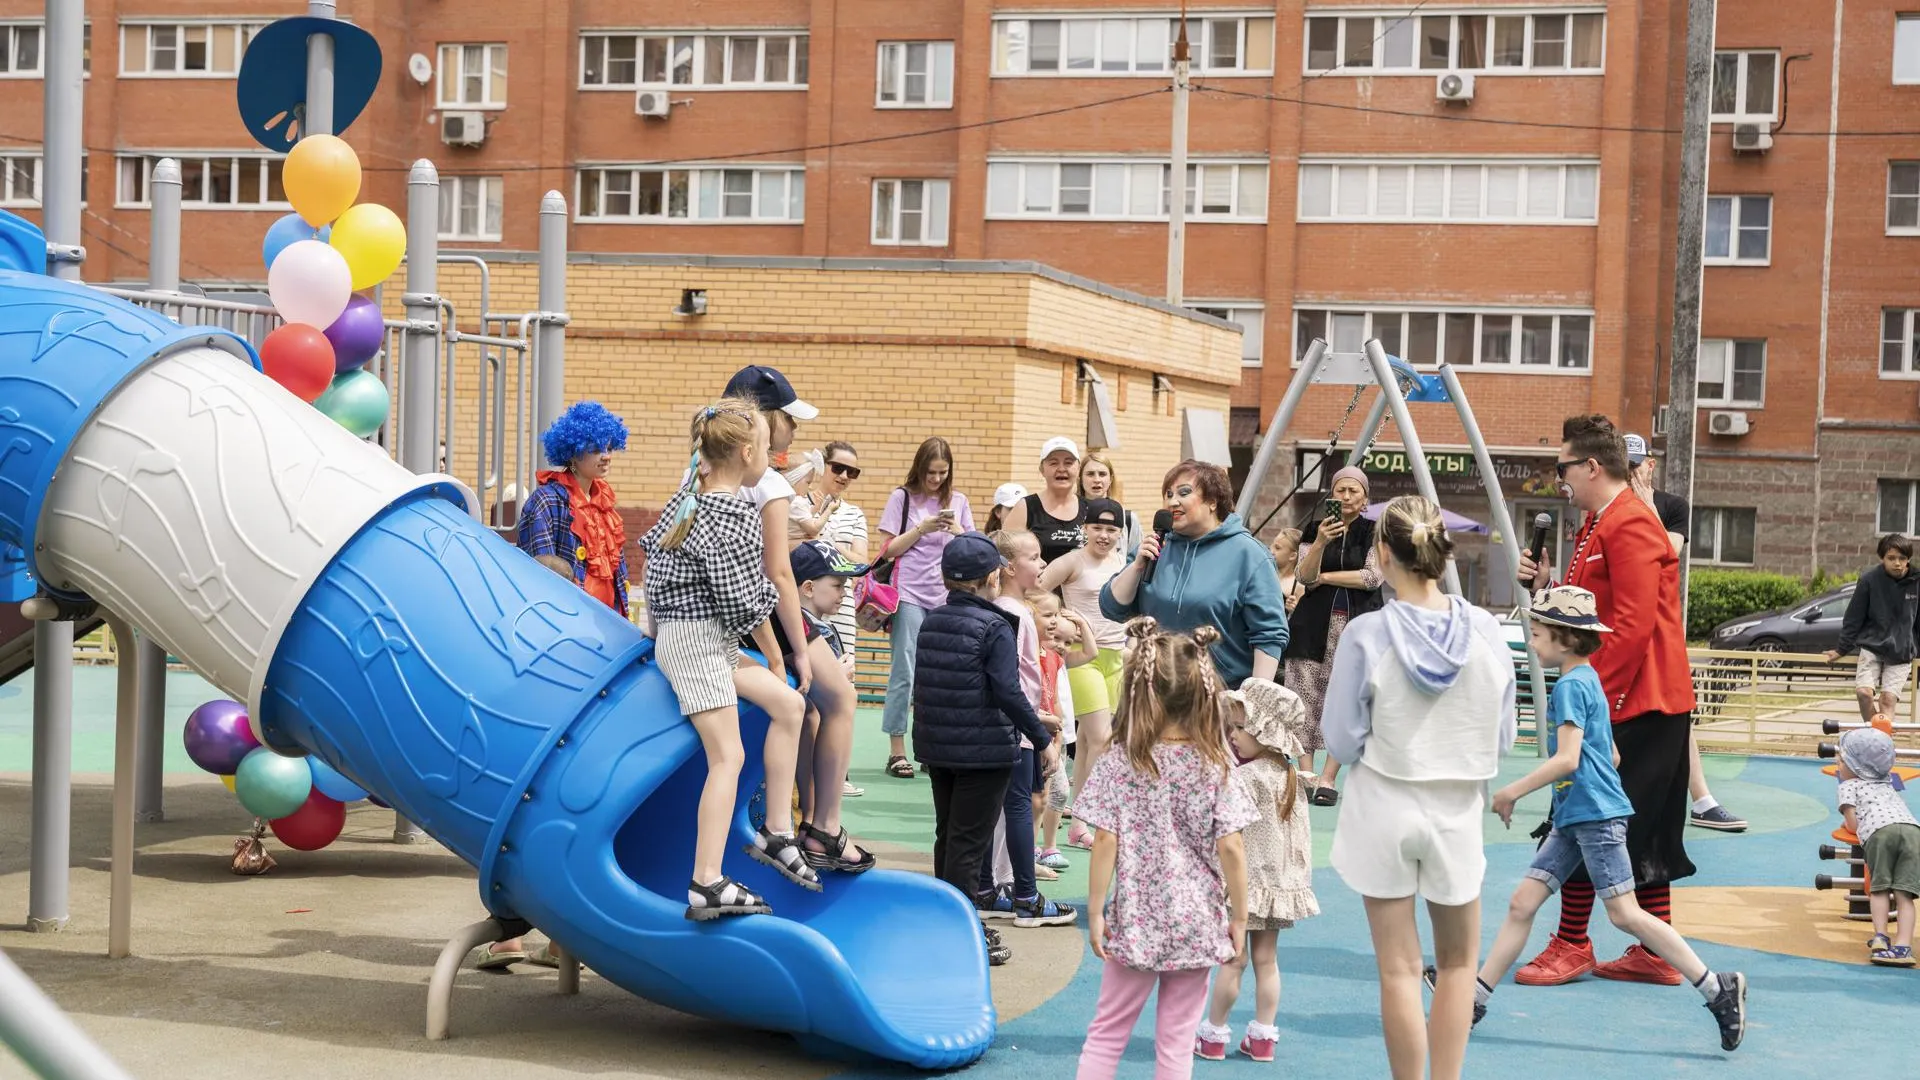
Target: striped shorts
x=698, y=659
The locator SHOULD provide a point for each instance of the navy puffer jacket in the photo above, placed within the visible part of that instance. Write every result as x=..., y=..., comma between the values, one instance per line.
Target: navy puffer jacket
x=968, y=709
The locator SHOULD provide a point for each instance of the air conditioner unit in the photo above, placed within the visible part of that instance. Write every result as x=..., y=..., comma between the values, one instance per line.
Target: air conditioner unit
x=1752, y=139
x=463, y=128
x=1454, y=86
x=1728, y=423
x=651, y=103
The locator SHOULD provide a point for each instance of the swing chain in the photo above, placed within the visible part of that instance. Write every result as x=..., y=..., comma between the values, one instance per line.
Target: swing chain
x=1333, y=441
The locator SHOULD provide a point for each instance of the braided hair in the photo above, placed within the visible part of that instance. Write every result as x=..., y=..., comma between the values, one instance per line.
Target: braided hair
x=719, y=431
x=1169, y=680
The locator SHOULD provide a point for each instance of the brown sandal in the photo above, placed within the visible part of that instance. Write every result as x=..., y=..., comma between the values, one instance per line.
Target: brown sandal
x=900, y=768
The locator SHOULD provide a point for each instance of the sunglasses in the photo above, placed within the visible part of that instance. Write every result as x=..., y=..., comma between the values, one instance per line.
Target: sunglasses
x=1560, y=467
x=851, y=472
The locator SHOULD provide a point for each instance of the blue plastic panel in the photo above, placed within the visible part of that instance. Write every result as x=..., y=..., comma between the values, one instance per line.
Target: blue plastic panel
x=273, y=77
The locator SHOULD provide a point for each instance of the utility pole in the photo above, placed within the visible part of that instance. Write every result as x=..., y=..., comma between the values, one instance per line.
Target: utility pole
x=1177, y=187
x=1689, y=239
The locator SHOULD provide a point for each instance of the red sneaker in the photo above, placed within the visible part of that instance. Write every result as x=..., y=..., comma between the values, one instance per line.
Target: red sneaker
x=1560, y=962
x=1257, y=1049
x=1639, y=965
x=1208, y=1050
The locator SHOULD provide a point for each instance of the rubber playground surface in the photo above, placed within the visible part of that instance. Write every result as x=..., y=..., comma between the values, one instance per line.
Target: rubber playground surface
x=319, y=968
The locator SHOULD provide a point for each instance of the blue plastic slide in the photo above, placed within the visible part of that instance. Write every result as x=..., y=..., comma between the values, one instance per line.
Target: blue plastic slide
x=367, y=619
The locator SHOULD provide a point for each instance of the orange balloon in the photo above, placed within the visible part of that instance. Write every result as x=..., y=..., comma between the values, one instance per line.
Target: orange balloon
x=321, y=177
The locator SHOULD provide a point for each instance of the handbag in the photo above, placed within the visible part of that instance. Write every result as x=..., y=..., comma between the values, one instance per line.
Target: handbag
x=875, y=598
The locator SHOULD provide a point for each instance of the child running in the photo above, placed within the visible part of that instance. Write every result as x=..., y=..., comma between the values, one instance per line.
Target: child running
x=1590, y=811
x=1167, y=818
x=1264, y=722
x=1885, y=827
x=1079, y=576
x=705, y=588
x=1065, y=642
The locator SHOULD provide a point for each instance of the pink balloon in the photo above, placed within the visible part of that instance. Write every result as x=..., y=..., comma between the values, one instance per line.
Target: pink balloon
x=310, y=283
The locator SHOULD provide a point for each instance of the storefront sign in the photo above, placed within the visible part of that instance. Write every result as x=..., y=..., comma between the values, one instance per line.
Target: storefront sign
x=1454, y=473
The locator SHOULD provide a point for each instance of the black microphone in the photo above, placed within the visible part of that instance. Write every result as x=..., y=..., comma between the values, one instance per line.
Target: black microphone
x=1162, y=525
x=1542, y=524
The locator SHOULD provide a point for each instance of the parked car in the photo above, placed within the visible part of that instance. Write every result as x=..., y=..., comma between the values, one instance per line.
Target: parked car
x=1812, y=626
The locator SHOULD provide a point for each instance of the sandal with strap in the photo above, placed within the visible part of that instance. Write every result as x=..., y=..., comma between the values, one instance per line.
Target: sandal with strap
x=899, y=767
x=834, y=855
x=724, y=897
x=784, y=854
x=1325, y=796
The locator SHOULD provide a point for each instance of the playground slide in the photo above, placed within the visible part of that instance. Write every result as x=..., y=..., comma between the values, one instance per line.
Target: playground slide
x=367, y=619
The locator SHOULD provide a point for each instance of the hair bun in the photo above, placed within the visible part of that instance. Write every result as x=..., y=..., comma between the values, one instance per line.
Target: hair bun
x=1205, y=636
x=1142, y=628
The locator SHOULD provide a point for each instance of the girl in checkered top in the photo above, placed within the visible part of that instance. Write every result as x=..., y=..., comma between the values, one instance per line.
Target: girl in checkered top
x=705, y=589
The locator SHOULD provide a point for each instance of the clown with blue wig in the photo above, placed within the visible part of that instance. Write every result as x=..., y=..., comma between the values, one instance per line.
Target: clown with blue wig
x=570, y=522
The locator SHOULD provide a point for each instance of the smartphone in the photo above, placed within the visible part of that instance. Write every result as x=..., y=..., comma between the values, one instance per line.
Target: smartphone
x=1330, y=508
x=947, y=515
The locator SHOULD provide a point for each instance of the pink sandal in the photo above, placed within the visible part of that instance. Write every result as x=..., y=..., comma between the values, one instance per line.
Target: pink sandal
x=1079, y=837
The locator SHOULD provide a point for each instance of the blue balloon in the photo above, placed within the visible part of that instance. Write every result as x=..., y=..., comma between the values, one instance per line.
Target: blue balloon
x=329, y=782
x=286, y=232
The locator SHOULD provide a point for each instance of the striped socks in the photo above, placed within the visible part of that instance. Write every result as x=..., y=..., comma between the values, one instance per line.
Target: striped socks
x=1656, y=900
x=1576, y=909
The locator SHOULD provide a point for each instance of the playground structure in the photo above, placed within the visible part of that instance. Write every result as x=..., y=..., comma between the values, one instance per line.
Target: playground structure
x=1853, y=854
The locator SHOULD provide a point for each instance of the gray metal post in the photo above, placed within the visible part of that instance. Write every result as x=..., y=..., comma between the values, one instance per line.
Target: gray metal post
x=1688, y=249
x=1409, y=438
x=1509, y=540
x=43, y=1036
x=1177, y=186
x=52, y=776
x=148, y=658
x=550, y=335
x=318, y=118
x=1282, y=416
x=163, y=244
x=126, y=741
x=64, y=148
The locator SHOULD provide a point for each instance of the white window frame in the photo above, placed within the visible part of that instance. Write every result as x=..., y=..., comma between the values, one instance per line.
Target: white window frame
x=1910, y=169
x=267, y=164
x=1901, y=321
x=1469, y=179
x=1383, y=21
x=1911, y=490
x=1741, y=114
x=1703, y=545
x=1013, y=34
x=1250, y=316
x=11, y=34
x=1722, y=356
x=1033, y=174
x=667, y=44
x=137, y=37
x=892, y=68
x=1485, y=320
x=1906, y=32
x=492, y=98
x=489, y=206
x=890, y=212
x=1736, y=208
x=13, y=177
x=697, y=186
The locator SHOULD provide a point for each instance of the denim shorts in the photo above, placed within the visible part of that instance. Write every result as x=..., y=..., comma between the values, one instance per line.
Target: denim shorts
x=1602, y=845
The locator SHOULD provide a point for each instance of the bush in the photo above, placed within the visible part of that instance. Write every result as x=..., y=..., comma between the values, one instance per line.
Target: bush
x=1714, y=596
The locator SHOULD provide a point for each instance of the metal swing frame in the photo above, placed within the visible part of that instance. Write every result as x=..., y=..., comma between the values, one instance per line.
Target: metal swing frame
x=1399, y=385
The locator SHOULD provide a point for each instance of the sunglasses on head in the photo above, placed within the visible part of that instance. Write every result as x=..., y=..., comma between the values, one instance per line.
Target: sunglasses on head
x=851, y=472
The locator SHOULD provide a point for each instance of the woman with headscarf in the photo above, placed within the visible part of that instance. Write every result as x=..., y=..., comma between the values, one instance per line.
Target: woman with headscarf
x=1340, y=570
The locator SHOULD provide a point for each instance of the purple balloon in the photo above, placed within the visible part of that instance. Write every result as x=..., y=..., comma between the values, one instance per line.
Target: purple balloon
x=218, y=736
x=356, y=335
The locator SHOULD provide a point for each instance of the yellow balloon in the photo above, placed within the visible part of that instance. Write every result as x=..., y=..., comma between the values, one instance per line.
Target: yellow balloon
x=372, y=240
x=322, y=178
x=228, y=781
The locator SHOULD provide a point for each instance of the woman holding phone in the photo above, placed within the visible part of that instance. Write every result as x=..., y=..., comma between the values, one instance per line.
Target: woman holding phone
x=920, y=517
x=1340, y=570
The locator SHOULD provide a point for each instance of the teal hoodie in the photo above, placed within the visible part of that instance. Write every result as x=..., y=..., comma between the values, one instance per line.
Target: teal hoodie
x=1224, y=579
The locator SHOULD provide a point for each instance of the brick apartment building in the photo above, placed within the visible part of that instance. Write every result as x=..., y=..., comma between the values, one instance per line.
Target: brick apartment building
x=1524, y=231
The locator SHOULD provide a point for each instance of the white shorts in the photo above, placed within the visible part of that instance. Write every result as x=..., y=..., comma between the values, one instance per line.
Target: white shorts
x=1876, y=674
x=1397, y=838
x=698, y=659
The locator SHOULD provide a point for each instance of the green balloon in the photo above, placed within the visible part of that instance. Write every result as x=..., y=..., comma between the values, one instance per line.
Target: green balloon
x=356, y=401
x=272, y=786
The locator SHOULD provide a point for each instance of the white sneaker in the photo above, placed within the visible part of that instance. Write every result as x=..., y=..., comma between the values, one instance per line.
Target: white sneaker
x=850, y=790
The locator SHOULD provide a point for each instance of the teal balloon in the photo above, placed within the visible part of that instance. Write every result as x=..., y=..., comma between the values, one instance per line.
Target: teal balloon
x=272, y=786
x=356, y=401
x=329, y=782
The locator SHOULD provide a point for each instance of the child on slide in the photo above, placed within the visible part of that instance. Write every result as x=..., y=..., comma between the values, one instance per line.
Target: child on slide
x=705, y=588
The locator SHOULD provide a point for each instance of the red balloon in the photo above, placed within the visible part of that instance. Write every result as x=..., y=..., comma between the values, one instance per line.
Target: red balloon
x=300, y=358
x=315, y=825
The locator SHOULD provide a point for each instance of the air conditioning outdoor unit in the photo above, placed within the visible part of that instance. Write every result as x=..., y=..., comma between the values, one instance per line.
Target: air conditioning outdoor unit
x=1454, y=86
x=1752, y=139
x=463, y=128
x=651, y=103
x=1727, y=423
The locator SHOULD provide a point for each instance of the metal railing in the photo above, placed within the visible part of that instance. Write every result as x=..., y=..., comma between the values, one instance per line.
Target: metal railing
x=1773, y=702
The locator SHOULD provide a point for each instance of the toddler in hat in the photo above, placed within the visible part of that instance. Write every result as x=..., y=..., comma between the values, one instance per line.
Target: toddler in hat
x=1879, y=817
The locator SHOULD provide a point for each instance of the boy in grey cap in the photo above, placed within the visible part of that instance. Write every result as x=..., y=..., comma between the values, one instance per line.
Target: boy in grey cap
x=1879, y=817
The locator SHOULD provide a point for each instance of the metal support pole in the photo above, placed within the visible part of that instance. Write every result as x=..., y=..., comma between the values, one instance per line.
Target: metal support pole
x=64, y=148
x=163, y=243
x=318, y=118
x=52, y=776
x=1409, y=438
x=44, y=1037
x=550, y=334
x=1509, y=541
x=148, y=658
x=125, y=741
x=1282, y=416
x=1177, y=185
x=452, y=955
x=1689, y=244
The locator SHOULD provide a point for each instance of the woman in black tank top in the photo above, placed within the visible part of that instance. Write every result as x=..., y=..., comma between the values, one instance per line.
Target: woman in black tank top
x=1058, y=536
x=1058, y=529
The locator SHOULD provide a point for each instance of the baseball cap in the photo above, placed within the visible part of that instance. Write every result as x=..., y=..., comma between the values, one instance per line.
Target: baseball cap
x=816, y=559
x=1637, y=449
x=970, y=557
x=1105, y=512
x=1009, y=494
x=770, y=390
x=1057, y=443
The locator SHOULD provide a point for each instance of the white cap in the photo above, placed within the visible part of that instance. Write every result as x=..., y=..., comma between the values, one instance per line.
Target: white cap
x=1009, y=494
x=1058, y=443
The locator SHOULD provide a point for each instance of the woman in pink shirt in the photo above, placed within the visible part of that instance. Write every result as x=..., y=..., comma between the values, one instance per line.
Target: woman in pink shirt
x=920, y=517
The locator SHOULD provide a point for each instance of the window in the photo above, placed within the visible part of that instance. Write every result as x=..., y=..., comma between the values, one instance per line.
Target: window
x=1732, y=373
x=1739, y=229
x=1142, y=45
x=19, y=179
x=1251, y=315
x=1723, y=535
x=1898, y=344
x=910, y=212
x=1544, y=341
x=1745, y=86
x=1532, y=193
x=20, y=50
x=915, y=75
x=221, y=181
x=1903, y=198
x=473, y=76
x=713, y=193
x=1122, y=189
x=1507, y=42
x=184, y=50
x=1899, y=505
x=470, y=207
x=1906, y=49
x=708, y=61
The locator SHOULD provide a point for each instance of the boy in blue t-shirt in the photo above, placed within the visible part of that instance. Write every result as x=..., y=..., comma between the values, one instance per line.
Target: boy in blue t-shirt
x=1589, y=816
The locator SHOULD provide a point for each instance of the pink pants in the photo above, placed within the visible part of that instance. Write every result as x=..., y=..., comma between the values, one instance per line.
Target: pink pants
x=1123, y=993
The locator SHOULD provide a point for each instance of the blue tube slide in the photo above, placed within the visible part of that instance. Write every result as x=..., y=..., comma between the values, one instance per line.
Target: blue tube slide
x=521, y=723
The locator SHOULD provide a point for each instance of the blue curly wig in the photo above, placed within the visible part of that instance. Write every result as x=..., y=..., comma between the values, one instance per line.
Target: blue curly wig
x=587, y=428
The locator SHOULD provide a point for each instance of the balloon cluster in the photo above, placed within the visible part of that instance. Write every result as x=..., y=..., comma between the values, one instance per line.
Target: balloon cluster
x=318, y=257
x=303, y=799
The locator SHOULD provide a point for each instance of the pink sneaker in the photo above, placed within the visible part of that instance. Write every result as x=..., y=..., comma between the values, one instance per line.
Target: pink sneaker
x=1208, y=1050
x=1257, y=1049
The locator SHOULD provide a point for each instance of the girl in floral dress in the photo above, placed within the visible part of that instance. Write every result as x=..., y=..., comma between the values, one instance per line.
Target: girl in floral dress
x=1167, y=818
x=1266, y=721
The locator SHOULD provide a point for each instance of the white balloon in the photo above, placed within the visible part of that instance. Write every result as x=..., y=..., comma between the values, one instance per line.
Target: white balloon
x=310, y=283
